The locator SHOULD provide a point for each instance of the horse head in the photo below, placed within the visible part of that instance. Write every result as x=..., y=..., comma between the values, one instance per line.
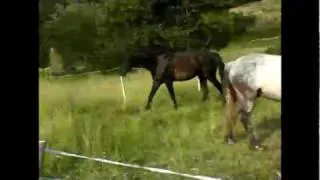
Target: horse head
x=141, y=59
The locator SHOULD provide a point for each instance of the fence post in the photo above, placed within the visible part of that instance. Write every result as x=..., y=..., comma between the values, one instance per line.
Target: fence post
x=42, y=146
x=278, y=176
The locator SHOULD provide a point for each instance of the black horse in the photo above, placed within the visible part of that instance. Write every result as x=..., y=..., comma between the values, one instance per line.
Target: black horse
x=167, y=66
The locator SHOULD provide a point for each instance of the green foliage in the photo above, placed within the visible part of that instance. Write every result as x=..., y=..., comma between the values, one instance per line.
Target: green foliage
x=99, y=34
x=43, y=49
x=223, y=26
x=73, y=32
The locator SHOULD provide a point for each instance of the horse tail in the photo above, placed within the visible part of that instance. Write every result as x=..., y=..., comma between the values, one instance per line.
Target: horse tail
x=227, y=87
x=218, y=63
x=221, y=66
x=230, y=98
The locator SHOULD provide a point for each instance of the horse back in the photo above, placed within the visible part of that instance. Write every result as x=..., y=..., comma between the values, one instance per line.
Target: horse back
x=185, y=60
x=269, y=77
x=257, y=71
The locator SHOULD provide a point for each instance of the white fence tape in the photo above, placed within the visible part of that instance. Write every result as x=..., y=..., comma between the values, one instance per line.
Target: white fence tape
x=163, y=171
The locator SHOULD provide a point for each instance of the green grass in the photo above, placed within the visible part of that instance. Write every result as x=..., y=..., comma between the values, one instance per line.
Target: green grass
x=86, y=116
x=245, y=46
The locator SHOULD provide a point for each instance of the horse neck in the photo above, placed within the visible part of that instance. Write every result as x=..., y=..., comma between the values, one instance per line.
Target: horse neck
x=151, y=68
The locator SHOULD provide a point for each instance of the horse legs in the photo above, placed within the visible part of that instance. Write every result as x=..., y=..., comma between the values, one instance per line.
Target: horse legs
x=231, y=115
x=169, y=85
x=204, y=88
x=245, y=118
x=216, y=83
x=155, y=86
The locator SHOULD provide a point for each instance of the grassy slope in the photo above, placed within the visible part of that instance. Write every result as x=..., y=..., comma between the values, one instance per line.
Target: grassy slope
x=268, y=18
x=85, y=116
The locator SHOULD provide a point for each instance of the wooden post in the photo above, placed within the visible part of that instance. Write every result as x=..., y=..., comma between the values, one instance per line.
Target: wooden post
x=42, y=146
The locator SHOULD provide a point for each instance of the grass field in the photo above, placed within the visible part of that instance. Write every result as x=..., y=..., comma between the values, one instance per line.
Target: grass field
x=85, y=115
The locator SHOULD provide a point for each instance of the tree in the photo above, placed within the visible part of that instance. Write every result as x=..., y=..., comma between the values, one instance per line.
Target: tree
x=100, y=33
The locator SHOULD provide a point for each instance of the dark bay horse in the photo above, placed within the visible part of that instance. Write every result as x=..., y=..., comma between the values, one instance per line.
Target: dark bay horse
x=245, y=80
x=168, y=66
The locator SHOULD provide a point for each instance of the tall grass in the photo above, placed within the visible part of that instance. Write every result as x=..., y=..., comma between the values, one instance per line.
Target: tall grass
x=86, y=116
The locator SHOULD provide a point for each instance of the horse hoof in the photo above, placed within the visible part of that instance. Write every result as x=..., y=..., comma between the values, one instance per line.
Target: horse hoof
x=257, y=147
x=230, y=141
x=147, y=108
x=204, y=99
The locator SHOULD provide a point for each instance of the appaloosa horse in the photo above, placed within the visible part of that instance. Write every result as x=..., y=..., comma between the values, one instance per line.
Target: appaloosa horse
x=246, y=79
x=168, y=66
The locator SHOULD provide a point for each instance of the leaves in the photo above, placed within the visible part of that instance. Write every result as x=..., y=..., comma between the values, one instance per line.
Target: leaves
x=107, y=31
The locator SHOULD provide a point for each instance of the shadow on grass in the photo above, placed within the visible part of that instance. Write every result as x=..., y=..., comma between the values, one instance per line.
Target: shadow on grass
x=267, y=127
x=264, y=129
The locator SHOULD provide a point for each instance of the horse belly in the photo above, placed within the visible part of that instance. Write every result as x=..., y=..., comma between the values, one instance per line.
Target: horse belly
x=181, y=75
x=269, y=80
x=184, y=70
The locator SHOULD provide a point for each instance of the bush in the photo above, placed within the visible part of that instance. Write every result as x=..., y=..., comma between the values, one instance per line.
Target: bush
x=101, y=34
